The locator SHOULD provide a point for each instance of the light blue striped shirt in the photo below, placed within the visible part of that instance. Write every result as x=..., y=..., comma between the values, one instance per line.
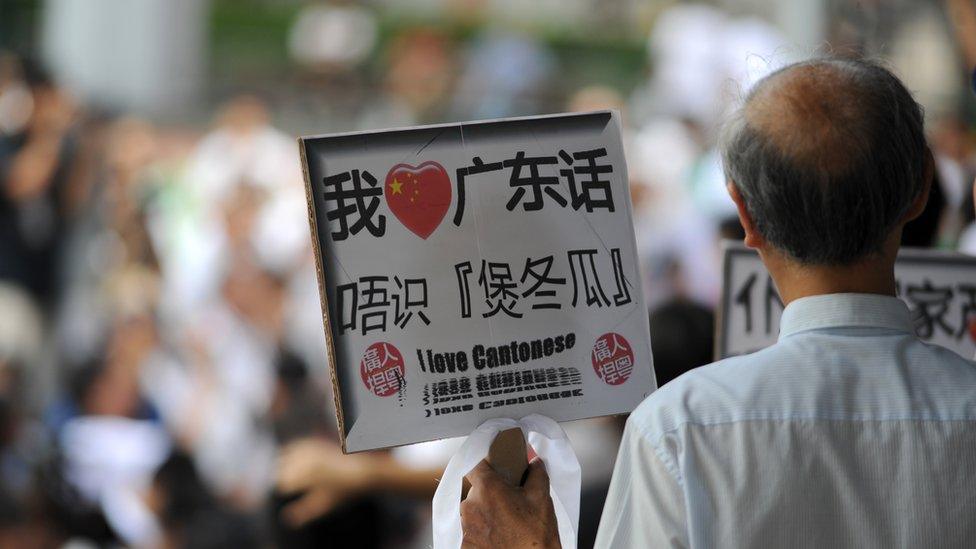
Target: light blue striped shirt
x=848, y=432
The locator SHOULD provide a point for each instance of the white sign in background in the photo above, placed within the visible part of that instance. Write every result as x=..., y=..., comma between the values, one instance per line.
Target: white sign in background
x=478, y=270
x=939, y=288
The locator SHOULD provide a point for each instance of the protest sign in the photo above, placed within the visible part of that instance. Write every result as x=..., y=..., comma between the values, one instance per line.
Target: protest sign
x=939, y=288
x=474, y=271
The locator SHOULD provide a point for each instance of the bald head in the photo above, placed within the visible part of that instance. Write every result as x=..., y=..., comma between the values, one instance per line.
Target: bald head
x=829, y=156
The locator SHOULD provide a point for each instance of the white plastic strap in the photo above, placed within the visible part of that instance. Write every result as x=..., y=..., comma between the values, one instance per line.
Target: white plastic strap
x=548, y=440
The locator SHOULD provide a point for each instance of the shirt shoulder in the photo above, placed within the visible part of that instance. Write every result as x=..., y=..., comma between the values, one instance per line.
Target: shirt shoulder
x=708, y=394
x=818, y=376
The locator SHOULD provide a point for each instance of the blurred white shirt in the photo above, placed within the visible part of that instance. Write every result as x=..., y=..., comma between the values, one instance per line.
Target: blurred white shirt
x=849, y=432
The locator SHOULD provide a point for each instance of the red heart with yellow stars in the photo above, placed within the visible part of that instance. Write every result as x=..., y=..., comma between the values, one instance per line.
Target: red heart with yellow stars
x=418, y=196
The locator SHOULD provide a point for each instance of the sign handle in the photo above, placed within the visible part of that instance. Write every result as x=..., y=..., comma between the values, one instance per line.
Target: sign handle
x=508, y=456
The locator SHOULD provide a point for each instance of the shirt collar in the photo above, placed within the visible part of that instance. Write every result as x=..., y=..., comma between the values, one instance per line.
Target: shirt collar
x=844, y=311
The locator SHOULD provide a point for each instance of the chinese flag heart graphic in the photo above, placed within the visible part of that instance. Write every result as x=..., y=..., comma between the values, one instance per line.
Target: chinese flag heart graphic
x=418, y=196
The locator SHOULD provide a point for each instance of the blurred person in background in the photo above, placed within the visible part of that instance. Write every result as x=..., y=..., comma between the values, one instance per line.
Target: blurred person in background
x=110, y=263
x=36, y=147
x=420, y=72
x=243, y=149
x=955, y=158
x=683, y=333
x=23, y=444
x=214, y=388
x=110, y=440
x=959, y=149
x=489, y=89
x=333, y=42
x=190, y=516
x=332, y=37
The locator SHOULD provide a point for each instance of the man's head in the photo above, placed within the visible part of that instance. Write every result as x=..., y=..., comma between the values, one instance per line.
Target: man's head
x=826, y=160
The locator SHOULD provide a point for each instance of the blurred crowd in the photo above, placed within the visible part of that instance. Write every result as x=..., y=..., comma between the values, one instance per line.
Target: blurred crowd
x=163, y=372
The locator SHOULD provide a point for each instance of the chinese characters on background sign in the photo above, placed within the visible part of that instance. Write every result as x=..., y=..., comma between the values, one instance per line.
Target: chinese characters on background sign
x=939, y=288
x=477, y=270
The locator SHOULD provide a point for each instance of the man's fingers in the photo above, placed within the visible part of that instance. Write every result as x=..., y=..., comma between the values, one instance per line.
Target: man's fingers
x=498, y=515
x=483, y=475
x=537, y=480
x=472, y=524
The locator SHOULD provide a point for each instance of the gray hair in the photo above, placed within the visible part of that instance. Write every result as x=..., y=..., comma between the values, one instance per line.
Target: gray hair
x=828, y=156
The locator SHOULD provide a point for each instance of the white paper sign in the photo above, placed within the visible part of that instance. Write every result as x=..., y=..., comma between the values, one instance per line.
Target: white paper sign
x=939, y=287
x=478, y=270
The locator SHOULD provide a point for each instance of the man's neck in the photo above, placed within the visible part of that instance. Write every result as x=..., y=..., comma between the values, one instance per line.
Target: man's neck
x=795, y=280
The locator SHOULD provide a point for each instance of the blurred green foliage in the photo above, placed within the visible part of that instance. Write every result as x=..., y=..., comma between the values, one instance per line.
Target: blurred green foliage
x=19, y=25
x=249, y=42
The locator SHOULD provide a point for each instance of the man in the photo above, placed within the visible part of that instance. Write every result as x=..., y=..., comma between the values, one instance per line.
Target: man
x=849, y=431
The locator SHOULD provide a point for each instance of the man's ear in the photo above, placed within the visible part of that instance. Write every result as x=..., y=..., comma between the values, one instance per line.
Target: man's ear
x=753, y=239
x=928, y=175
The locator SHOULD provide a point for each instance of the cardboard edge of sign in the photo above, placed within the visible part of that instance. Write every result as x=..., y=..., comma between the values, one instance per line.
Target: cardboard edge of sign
x=718, y=329
x=614, y=113
x=323, y=298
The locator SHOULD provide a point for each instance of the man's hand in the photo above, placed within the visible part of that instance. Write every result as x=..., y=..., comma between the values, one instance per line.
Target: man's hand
x=497, y=515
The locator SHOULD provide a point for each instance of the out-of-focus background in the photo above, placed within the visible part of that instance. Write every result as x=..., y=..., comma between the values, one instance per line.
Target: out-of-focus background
x=163, y=373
